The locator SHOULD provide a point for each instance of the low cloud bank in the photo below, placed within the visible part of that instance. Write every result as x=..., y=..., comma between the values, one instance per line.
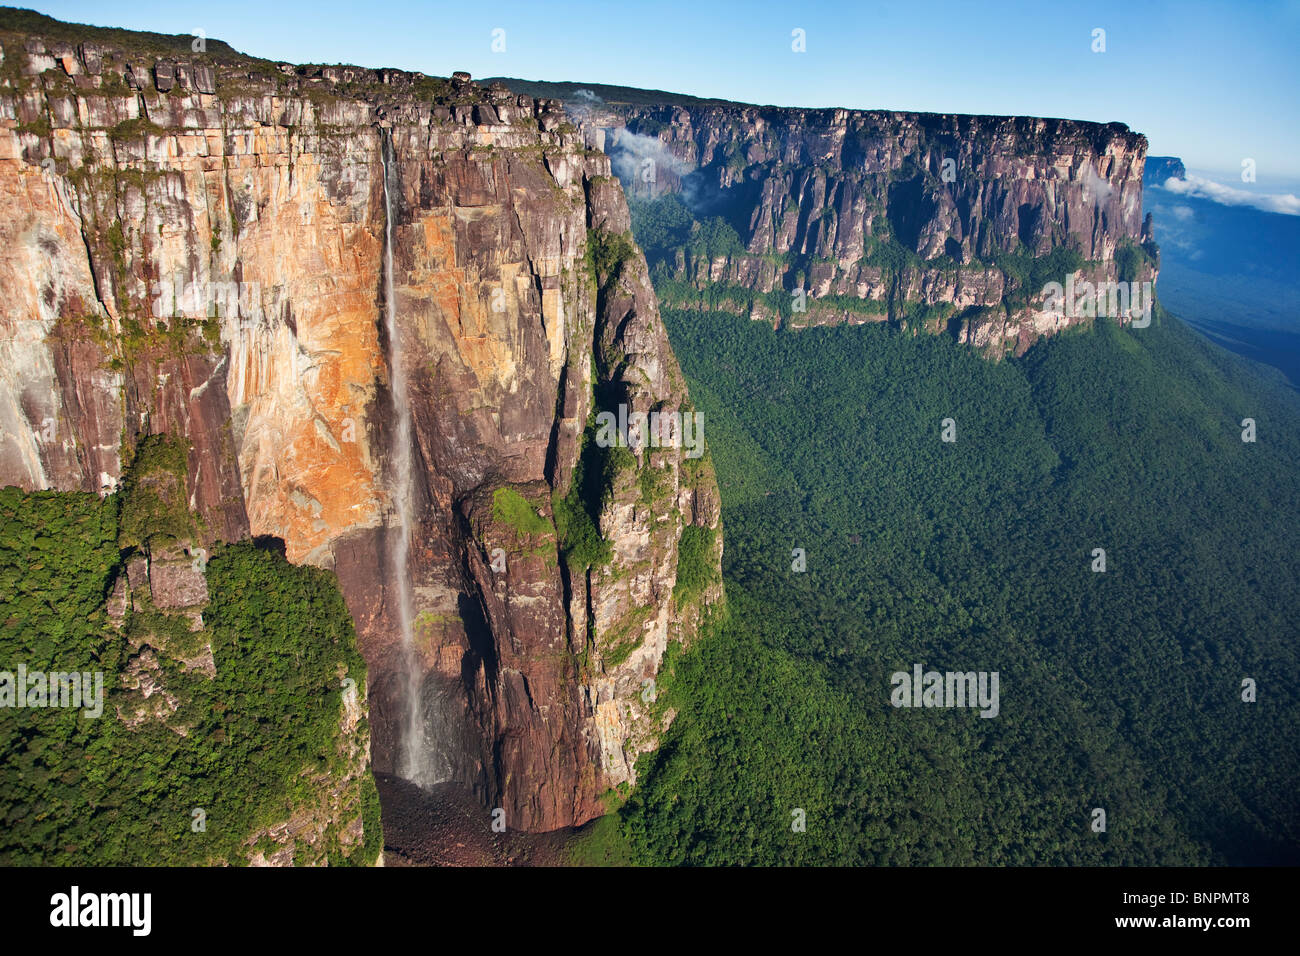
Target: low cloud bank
x=641, y=158
x=1200, y=188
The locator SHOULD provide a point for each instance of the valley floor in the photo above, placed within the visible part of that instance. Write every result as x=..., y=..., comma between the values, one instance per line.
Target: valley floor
x=447, y=826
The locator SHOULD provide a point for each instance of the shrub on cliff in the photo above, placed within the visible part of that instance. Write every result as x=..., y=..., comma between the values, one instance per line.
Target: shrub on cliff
x=155, y=509
x=577, y=513
x=511, y=507
x=695, y=570
x=1131, y=259
x=1027, y=274
x=605, y=255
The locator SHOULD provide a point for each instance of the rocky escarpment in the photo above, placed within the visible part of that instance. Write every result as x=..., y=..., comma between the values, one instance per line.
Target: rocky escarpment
x=193, y=245
x=1161, y=169
x=883, y=215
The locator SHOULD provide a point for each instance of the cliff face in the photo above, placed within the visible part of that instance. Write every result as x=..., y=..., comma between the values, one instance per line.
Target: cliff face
x=903, y=210
x=1160, y=169
x=192, y=243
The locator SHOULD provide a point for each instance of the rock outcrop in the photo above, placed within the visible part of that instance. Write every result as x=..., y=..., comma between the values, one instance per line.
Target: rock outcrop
x=192, y=244
x=877, y=215
x=1161, y=169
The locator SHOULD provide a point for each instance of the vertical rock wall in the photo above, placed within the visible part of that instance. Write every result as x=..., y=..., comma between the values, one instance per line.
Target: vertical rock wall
x=193, y=245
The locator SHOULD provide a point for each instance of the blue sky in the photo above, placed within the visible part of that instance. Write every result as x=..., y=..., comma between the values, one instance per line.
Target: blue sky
x=1211, y=82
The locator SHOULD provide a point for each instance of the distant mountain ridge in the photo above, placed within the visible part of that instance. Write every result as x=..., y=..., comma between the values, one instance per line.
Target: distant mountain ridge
x=950, y=222
x=1161, y=169
x=1231, y=271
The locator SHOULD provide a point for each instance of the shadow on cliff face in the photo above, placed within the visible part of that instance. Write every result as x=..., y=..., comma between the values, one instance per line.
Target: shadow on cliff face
x=446, y=826
x=271, y=543
x=907, y=212
x=451, y=740
x=735, y=204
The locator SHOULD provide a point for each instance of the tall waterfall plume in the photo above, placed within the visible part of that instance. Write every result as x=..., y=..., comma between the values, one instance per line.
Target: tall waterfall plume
x=416, y=763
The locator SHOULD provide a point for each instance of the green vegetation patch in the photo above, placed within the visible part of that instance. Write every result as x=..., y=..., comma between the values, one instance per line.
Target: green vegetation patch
x=1027, y=275
x=1132, y=259
x=260, y=739
x=1119, y=690
x=695, y=567
x=577, y=513
x=137, y=128
x=512, y=508
x=155, y=509
x=605, y=255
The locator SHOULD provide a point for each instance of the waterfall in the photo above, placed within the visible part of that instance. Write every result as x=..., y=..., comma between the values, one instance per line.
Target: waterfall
x=415, y=762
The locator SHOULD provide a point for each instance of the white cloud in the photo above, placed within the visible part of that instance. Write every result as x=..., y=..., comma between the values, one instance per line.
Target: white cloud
x=1201, y=188
x=633, y=154
x=1094, y=186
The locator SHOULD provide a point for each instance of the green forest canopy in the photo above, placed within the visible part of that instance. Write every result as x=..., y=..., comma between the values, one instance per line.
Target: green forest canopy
x=88, y=791
x=1119, y=690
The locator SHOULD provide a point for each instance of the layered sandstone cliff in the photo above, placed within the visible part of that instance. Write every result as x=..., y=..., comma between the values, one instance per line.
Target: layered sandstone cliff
x=192, y=243
x=906, y=213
